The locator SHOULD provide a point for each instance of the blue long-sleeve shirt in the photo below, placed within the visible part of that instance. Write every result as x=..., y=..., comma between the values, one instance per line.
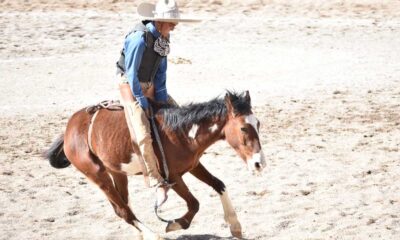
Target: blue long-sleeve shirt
x=134, y=47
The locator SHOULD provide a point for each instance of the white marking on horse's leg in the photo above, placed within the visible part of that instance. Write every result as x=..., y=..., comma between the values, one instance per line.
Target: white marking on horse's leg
x=230, y=215
x=146, y=232
x=133, y=167
x=137, y=235
x=252, y=120
x=193, y=131
x=213, y=128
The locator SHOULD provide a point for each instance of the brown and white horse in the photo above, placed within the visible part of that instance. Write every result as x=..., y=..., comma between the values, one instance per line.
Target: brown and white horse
x=185, y=132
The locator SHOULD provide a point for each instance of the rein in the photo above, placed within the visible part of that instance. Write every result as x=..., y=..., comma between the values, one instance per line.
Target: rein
x=164, y=161
x=158, y=139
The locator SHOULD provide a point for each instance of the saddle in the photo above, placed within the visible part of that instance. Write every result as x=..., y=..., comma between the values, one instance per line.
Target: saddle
x=107, y=104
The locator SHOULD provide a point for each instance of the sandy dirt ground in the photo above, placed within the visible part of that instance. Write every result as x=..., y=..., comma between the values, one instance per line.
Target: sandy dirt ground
x=324, y=77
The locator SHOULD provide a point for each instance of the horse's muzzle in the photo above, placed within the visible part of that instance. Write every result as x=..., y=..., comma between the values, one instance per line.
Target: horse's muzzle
x=256, y=163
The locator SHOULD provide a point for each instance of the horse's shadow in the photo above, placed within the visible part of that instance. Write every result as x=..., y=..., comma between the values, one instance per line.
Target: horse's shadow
x=204, y=237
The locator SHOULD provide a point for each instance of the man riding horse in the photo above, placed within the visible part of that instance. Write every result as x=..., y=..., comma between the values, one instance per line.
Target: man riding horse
x=106, y=150
x=142, y=71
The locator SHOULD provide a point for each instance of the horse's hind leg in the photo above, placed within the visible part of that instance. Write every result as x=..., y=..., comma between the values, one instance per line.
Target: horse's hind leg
x=121, y=185
x=230, y=216
x=99, y=175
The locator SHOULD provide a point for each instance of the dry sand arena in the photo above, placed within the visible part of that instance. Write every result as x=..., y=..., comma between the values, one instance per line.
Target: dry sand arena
x=324, y=78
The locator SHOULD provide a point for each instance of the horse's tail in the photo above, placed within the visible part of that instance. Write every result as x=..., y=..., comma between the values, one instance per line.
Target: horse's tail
x=56, y=154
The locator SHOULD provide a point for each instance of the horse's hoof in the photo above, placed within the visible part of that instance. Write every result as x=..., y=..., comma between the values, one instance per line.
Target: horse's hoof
x=237, y=234
x=173, y=226
x=236, y=230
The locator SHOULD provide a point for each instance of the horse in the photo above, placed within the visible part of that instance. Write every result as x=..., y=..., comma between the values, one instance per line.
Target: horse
x=101, y=149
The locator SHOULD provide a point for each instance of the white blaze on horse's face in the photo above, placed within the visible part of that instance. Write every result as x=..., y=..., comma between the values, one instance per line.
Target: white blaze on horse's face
x=255, y=162
x=253, y=121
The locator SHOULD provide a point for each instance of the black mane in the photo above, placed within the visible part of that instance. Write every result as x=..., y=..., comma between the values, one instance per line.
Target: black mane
x=194, y=113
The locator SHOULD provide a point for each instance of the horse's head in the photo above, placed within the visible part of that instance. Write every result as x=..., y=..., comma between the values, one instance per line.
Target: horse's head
x=242, y=130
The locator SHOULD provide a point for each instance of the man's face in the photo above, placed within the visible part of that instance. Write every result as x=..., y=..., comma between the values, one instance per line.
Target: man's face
x=165, y=27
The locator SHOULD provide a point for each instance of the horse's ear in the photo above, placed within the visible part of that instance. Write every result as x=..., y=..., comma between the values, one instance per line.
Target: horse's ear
x=228, y=103
x=247, y=97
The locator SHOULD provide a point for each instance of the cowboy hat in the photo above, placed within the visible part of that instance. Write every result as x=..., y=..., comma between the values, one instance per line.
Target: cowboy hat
x=163, y=11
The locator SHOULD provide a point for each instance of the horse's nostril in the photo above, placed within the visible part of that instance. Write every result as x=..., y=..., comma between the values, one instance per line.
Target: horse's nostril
x=257, y=165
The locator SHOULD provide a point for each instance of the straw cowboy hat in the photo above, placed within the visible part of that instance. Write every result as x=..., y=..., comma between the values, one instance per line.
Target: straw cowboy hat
x=163, y=11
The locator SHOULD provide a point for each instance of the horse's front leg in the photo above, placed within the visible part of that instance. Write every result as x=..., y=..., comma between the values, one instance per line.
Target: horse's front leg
x=230, y=216
x=192, y=203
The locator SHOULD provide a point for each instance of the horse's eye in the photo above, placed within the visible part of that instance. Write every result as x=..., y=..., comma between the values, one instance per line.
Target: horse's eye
x=244, y=130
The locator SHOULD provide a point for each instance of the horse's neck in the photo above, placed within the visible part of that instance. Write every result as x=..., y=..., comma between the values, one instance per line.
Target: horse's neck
x=204, y=135
x=196, y=138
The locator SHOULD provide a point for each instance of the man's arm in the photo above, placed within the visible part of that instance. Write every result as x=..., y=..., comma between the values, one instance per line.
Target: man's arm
x=134, y=49
x=160, y=82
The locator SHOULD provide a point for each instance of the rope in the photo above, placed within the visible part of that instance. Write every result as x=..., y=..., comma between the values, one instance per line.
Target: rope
x=90, y=131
